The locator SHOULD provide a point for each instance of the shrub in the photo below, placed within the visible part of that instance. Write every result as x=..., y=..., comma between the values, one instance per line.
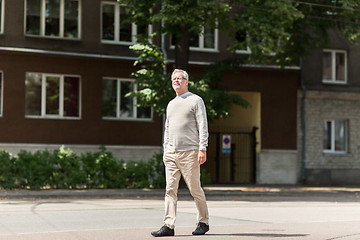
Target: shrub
x=205, y=177
x=67, y=169
x=63, y=169
x=157, y=171
x=34, y=170
x=7, y=175
x=103, y=170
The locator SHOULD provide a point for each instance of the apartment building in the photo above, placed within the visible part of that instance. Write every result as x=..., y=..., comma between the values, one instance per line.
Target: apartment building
x=65, y=70
x=329, y=105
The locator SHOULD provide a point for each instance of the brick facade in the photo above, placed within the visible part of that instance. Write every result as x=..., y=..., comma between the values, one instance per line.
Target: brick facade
x=330, y=168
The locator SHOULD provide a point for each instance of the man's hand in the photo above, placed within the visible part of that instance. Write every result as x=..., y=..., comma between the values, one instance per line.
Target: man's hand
x=202, y=157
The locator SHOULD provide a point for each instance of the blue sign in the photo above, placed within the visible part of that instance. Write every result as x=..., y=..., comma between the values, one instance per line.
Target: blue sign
x=226, y=146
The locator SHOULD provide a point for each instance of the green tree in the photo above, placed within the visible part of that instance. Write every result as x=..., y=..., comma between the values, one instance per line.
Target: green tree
x=280, y=32
x=287, y=30
x=179, y=19
x=156, y=87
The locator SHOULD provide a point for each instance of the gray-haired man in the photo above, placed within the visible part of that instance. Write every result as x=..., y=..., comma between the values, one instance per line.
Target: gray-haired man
x=185, y=142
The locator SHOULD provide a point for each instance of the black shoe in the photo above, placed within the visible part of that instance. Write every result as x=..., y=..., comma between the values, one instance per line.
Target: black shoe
x=164, y=231
x=201, y=229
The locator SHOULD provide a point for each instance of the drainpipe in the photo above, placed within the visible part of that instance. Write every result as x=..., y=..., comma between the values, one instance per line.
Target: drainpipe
x=163, y=49
x=303, y=124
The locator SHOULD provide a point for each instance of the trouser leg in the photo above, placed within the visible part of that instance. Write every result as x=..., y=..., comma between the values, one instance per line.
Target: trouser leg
x=173, y=175
x=190, y=169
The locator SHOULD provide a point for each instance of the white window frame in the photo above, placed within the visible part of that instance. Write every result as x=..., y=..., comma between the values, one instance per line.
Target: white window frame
x=61, y=97
x=118, y=97
x=202, y=42
x=247, y=51
x=62, y=21
x=242, y=51
x=333, y=150
x=2, y=16
x=333, y=79
x=201, y=47
x=117, y=19
x=2, y=93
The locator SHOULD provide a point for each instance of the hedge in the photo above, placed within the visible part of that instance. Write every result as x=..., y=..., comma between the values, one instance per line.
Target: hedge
x=63, y=169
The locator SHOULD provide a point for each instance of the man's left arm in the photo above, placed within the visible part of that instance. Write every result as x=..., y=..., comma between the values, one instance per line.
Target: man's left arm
x=202, y=157
x=202, y=124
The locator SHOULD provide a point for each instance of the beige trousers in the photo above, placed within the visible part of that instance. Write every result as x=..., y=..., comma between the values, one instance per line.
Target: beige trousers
x=185, y=164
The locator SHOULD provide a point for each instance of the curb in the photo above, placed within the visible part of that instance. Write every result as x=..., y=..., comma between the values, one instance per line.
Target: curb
x=212, y=192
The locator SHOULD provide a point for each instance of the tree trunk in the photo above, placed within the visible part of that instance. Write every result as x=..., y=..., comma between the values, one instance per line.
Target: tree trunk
x=182, y=46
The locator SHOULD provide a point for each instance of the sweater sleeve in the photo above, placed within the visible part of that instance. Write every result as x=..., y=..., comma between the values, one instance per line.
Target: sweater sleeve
x=201, y=120
x=166, y=135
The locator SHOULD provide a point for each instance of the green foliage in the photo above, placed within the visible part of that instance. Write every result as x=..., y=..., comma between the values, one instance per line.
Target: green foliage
x=155, y=89
x=205, y=177
x=103, y=170
x=67, y=169
x=63, y=169
x=156, y=172
x=284, y=31
x=34, y=170
x=156, y=86
x=217, y=98
x=276, y=31
x=192, y=13
x=7, y=178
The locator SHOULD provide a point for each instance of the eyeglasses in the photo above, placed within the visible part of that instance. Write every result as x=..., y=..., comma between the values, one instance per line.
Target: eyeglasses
x=178, y=79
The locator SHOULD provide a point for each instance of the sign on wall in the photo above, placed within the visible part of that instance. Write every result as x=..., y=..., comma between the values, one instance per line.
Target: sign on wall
x=226, y=146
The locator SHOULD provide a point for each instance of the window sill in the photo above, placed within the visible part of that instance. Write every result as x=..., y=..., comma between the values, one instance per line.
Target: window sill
x=118, y=43
x=53, y=37
x=53, y=118
x=127, y=119
x=242, y=52
x=195, y=49
x=204, y=50
x=328, y=82
x=341, y=154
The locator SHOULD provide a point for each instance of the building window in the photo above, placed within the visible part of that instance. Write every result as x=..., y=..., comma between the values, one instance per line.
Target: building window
x=207, y=40
x=335, y=136
x=241, y=39
x=334, y=66
x=52, y=96
x=116, y=27
x=116, y=104
x=53, y=18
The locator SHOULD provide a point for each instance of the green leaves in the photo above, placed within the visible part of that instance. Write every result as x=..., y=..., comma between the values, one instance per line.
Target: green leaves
x=156, y=86
x=217, y=98
x=63, y=169
x=275, y=31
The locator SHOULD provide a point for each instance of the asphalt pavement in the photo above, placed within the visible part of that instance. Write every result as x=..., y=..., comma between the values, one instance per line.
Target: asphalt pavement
x=216, y=192
x=237, y=212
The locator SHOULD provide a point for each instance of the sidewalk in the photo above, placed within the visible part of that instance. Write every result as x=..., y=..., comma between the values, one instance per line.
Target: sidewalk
x=217, y=192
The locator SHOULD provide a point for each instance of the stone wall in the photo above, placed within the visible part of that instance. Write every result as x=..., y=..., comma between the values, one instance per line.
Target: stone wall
x=330, y=168
x=277, y=167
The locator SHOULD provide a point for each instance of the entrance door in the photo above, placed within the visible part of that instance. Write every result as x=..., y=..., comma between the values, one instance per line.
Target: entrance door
x=238, y=165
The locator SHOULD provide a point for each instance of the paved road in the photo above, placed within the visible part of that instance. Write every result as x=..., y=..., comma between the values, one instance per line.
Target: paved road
x=329, y=217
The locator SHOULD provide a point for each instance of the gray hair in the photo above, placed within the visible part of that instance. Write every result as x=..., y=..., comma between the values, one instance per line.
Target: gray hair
x=185, y=74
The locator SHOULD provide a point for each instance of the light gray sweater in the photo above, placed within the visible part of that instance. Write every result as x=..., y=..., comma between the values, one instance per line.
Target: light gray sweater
x=186, y=126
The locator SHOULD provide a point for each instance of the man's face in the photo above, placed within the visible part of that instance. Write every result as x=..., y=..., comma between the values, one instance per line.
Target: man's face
x=179, y=83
